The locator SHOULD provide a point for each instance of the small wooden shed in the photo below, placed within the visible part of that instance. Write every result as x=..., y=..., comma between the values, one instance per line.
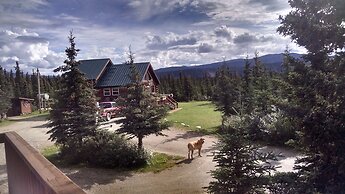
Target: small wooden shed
x=21, y=106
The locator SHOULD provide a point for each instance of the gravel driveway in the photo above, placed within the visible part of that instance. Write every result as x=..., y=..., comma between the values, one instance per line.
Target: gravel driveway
x=189, y=176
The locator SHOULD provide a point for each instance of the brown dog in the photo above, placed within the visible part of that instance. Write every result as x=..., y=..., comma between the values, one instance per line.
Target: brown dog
x=195, y=145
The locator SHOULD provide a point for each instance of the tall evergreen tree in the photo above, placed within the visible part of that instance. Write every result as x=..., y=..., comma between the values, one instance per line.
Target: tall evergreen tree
x=73, y=113
x=5, y=102
x=319, y=97
x=241, y=168
x=261, y=85
x=18, y=92
x=188, y=89
x=225, y=94
x=247, y=94
x=143, y=116
x=2, y=79
x=28, y=88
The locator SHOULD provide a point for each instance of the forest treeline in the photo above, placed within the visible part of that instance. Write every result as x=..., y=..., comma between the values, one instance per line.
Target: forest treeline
x=19, y=84
x=257, y=85
x=15, y=83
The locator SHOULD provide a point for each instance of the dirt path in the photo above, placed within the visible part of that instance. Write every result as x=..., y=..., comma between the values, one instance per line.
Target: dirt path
x=189, y=176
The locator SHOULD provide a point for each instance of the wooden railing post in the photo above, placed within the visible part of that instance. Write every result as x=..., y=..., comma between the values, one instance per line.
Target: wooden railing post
x=30, y=173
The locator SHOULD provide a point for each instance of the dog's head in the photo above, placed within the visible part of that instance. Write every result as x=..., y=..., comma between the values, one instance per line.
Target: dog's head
x=201, y=140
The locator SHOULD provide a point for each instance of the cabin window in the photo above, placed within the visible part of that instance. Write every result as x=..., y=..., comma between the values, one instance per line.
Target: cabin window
x=106, y=92
x=115, y=91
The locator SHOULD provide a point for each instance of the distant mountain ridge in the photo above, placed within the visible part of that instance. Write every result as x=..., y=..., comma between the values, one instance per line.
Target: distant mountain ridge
x=272, y=62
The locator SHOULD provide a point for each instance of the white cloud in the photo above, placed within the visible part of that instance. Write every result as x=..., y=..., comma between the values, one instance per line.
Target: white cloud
x=29, y=49
x=223, y=31
x=167, y=33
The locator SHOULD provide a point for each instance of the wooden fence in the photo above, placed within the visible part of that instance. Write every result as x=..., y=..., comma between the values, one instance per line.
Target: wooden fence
x=30, y=173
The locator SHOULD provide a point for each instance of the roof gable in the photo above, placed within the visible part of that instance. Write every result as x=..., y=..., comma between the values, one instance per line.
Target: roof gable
x=93, y=68
x=119, y=75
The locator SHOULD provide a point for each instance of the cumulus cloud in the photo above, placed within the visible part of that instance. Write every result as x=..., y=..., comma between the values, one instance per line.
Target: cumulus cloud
x=29, y=49
x=223, y=31
x=247, y=38
x=157, y=42
x=186, y=10
x=168, y=33
x=271, y=5
x=205, y=48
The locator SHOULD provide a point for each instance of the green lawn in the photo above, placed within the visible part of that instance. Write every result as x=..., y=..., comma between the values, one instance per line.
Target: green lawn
x=4, y=123
x=157, y=162
x=52, y=154
x=9, y=121
x=197, y=115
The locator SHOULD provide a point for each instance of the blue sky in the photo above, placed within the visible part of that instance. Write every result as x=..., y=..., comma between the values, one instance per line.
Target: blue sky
x=164, y=32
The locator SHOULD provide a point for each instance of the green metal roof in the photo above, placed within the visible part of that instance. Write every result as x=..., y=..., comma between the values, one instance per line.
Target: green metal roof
x=119, y=75
x=93, y=67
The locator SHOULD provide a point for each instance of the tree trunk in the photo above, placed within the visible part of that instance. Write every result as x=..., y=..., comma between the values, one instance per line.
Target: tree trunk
x=140, y=143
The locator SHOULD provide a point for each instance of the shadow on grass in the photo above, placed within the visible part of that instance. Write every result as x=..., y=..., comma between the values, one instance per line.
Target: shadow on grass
x=29, y=118
x=205, y=104
x=185, y=135
x=212, y=131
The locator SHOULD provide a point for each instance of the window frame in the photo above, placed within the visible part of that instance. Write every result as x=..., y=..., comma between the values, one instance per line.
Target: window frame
x=115, y=91
x=106, y=92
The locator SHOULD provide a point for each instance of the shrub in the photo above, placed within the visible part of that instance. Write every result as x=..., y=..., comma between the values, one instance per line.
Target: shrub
x=285, y=183
x=273, y=128
x=282, y=132
x=110, y=150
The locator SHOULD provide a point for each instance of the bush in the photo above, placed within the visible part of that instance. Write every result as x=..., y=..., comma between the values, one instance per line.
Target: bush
x=285, y=183
x=106, y=150
x=282, y=131
x=109, y=150
x=273, y=128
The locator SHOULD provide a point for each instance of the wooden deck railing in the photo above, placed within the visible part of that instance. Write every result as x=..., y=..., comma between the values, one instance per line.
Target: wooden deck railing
x=173, y=101
x=166, y=99
x=30, y=173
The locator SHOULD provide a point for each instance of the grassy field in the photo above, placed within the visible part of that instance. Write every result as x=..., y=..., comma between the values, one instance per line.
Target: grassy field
x=157, y=163
x=9, y=121
x=51, y=153
x=4, y=123
x=197, y=115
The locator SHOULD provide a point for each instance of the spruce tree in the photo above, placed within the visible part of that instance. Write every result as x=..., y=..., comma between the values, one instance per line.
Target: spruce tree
x=318, y=90
x=247, y=94
x=143, y=115
x=188, y=89
x=226, y=93
x=5, y=102
x=241, y=168
x=28, y=89
x=261, y=86
x=73, y=114
x=18, y=82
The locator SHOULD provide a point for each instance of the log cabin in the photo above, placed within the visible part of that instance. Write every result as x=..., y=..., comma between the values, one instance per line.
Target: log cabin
x=111, y=80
